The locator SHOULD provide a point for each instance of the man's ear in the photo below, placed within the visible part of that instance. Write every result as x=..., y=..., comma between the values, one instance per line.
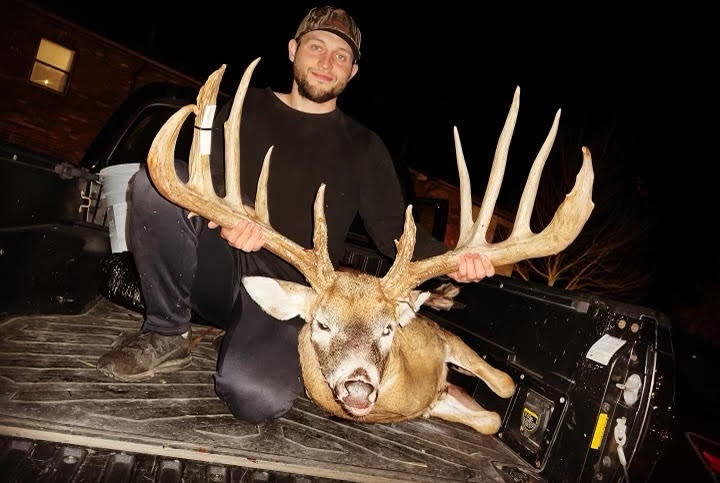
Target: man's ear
x=280, y=298
x=292, y=49
x=353, y=71
x=407, y=309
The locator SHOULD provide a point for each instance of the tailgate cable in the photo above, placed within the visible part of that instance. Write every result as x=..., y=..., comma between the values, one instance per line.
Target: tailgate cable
x=620, y=436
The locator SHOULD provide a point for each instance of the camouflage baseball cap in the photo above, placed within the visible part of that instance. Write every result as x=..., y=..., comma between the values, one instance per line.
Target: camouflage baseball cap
x=335, y=20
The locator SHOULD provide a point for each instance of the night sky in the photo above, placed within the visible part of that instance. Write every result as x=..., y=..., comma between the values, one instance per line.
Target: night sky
x=643, y=75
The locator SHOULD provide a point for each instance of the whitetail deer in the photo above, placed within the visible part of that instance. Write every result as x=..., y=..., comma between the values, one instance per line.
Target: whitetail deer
x=365, y=353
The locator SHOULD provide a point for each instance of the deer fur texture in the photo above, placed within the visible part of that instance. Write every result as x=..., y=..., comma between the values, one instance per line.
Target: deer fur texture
x=373, y=359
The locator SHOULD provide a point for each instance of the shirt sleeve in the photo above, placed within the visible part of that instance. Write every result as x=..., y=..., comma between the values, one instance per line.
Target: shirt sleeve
x=382, y=207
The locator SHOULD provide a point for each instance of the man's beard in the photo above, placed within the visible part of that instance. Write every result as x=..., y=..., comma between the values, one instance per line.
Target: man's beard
x=311, y=92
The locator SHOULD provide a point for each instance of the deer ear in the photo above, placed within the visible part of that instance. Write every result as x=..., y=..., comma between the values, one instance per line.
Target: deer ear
x=280, y=298
x=406, y=309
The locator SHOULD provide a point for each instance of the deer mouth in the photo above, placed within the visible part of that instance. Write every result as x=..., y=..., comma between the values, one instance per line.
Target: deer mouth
x=358, y=397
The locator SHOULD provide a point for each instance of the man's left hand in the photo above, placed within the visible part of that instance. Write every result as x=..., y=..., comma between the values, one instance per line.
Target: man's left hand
x=473, y=268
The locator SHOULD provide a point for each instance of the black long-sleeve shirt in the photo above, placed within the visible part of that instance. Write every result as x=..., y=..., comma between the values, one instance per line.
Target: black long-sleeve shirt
x=310, y=149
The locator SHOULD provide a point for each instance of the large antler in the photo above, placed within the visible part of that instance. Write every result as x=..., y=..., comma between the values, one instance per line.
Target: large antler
x=522, y=243
x=199, y=196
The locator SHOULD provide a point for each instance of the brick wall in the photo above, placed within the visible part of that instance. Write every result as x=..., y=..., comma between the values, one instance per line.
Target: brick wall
x=104, y=73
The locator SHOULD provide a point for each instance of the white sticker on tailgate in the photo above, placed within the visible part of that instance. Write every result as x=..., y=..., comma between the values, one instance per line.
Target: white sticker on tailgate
x=604, y=348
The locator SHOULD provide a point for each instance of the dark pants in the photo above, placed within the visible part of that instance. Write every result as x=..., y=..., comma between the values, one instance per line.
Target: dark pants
x=186, y=266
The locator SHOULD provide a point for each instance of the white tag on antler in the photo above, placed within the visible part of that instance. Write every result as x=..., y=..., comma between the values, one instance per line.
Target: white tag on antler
x=206, y=125
x=208, y=116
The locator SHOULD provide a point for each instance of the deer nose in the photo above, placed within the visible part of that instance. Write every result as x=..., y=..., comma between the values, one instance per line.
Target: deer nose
x=359, y=374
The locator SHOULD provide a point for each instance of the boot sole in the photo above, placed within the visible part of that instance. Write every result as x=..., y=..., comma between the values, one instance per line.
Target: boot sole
x=163, y=368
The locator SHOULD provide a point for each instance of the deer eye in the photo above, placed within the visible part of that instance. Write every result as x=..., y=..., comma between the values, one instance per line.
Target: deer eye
x=387, y=330
x=321, y=326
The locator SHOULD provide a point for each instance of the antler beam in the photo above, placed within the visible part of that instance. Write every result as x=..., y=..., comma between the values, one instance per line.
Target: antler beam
x=522, y=243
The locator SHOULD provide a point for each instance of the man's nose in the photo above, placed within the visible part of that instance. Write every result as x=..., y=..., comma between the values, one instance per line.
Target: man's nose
x=325, y=61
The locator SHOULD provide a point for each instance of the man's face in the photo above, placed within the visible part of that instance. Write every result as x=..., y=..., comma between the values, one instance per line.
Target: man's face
x=322, y=65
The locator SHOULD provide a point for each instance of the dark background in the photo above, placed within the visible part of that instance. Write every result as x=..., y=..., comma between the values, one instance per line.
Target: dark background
x=643, y=73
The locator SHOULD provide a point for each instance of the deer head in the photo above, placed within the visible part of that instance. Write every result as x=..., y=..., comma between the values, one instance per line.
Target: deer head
x=352, y=326
x=354, y=317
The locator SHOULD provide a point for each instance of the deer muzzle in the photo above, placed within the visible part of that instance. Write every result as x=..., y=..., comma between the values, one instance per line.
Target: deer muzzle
x=357, y=393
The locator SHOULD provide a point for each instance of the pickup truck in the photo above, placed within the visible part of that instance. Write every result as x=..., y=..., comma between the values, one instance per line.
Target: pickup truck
x=595, y=377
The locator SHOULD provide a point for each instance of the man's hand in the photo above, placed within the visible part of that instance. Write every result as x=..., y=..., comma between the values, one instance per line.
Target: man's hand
x=473, y=268
x=246, y=235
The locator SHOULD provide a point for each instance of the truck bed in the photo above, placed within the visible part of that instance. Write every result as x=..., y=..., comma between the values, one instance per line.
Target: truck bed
x=51, y=391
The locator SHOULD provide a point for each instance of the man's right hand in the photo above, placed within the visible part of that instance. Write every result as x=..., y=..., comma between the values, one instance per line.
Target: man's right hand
x=246, y=235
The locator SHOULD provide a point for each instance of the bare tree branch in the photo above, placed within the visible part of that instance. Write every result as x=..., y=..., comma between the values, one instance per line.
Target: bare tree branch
x=611, y=257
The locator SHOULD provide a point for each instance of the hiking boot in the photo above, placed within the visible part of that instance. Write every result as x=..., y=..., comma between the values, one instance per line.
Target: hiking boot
x=141, y=355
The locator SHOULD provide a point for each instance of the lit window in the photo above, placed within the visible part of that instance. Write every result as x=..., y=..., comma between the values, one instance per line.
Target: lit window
x=52, y=66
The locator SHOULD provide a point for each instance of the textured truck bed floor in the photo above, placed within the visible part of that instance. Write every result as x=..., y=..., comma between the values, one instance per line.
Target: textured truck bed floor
x=50, y=390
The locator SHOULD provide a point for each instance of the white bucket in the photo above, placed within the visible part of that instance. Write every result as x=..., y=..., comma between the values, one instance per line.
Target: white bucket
x=114, y=196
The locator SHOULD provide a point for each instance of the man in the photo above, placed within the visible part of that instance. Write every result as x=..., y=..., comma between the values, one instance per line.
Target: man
x=184, y=265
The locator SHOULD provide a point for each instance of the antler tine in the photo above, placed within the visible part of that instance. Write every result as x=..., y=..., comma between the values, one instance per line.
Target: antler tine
x=521, y=227
x=405, y=247
x=160, y=160
x=261, y=202
x=322, y=264
x=466, y=221
x=198, y=195
x=232, y=141
x=199, y=165
x=477, y=235
x=569, y=218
